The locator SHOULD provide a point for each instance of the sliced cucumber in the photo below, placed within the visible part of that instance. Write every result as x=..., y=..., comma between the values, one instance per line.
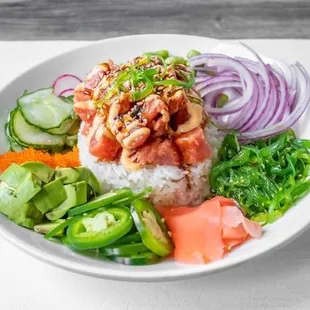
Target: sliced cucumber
x=13, y=145
x=63, y=129
x=27, y=135
x=44, y=109
x=8, y=131
x=67, y=99
x=75, y=127
x=71, y=140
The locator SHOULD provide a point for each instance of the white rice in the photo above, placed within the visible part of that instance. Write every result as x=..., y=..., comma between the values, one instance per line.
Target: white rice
x=171, y=185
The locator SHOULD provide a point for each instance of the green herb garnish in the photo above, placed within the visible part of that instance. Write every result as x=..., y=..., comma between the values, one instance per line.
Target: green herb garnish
x=143, y=80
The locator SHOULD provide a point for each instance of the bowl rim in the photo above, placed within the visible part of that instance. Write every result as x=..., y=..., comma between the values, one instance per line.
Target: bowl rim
x=190, y=271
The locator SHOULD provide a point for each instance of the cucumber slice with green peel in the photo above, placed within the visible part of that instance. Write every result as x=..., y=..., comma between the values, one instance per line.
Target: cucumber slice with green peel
x=63, y=129
x=75, y=127
x=71, y=97
x=27, y=135
x=67, y=99
x=8, y=130
x=44, y=109
x=13, y=146
x=71, y=140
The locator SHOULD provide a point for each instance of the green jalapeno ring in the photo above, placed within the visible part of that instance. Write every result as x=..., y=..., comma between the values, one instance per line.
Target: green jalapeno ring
x=123, y=249
x=144, y=258
x=152, y=229
x=102, y=200
x=81, y=239
x=130, y=238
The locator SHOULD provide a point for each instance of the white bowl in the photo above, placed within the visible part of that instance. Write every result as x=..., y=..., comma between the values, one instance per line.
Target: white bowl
x=79, y=62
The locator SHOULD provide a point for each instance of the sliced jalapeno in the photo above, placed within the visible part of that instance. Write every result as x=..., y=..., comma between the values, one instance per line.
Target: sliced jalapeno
x=60, y=228
x=144, y=258
x=102, y=201
x=64, y=240
x=124, y=249
x=100, y=228
x=130, y=238
x=152, y=229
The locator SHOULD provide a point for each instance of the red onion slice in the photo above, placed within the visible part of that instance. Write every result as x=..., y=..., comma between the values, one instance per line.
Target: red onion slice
x=302, y=102
x=246, y=81
x=264, y=100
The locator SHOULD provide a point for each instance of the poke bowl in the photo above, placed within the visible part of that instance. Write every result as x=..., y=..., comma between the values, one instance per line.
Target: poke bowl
x=155, y=157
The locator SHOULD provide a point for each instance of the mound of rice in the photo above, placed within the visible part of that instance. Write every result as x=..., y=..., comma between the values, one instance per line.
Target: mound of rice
x=171, y=185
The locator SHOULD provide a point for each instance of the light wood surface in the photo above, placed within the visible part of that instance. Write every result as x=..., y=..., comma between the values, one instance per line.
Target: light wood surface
x=97, y=19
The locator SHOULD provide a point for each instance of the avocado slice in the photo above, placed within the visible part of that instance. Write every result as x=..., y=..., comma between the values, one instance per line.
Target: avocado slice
x=50, y=196
x=41, y=171
x=68, y=175
x=89, y=177
x=14, y=175
x=67, y=204
x=23, y=184
x=26, y=215
x=76, y=195
x=81, y=192
x=21, y=213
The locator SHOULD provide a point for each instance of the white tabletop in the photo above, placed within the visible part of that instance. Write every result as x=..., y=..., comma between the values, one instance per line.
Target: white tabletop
x=278, y=281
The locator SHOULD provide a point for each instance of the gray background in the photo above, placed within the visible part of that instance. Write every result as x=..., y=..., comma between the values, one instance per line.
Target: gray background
x=97, y=19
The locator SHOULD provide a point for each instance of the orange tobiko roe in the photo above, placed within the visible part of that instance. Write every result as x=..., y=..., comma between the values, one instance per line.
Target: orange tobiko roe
x=69, y=159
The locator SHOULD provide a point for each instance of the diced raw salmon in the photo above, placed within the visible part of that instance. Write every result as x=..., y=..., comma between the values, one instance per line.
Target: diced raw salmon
x=175, y=101
x=81, y=96
x=156, y=114
x=193, y=146
x=125, y=103
x=86, y=128
x=158, y=152
x=179, y=118
x=86, y=110
x=132, y=136
x=95, y=76
x=104, y=147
